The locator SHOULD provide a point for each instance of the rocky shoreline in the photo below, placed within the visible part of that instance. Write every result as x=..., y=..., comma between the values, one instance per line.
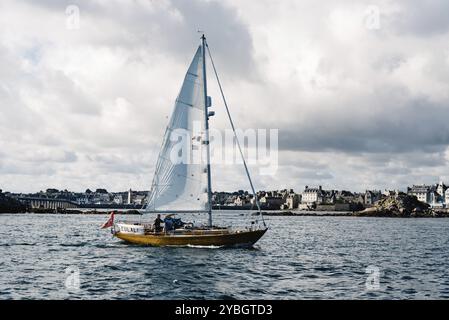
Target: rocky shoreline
x=402, y=206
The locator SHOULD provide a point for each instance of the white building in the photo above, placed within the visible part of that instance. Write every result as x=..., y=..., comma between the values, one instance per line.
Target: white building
x=311, y=195
x=242, y=200
x=139, y=199
x=118, y=199
x=446, y=198
x=422, y=192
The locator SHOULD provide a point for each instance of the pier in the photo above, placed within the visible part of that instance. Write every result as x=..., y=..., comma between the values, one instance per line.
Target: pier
x=47, y=203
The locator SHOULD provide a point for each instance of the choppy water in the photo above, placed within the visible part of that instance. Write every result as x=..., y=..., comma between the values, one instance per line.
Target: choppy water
x=299, y=258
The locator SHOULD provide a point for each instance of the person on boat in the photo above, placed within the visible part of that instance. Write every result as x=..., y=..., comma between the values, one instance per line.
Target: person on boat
x=168, y=222
x=171, y=223
x=157, y=223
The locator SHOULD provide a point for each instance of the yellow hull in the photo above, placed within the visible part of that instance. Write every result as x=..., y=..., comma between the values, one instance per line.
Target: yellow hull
x=226, y=239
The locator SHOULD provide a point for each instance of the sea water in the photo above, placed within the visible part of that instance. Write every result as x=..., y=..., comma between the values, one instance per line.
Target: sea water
x=69, y=257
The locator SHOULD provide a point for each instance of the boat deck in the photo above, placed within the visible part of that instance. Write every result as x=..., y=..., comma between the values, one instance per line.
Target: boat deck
x=190, y=232
x=148, y=229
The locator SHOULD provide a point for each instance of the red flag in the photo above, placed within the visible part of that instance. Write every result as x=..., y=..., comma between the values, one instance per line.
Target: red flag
x=110, y=221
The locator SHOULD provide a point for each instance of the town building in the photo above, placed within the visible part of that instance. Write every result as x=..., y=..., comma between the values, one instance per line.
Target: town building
x=371, y=197
x=292, y=201
x=434, y=195
x=271, y=202
x=318, y=196
x=82, y=200
x=421, y=192
x=243, y=200
x=311, y=195
x=118, y=199
x=344, y=196
x=441, y=190
x=139, y=199
x=102, y=198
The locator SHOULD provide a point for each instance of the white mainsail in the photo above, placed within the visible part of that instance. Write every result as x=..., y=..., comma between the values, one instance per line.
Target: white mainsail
x=180, y=180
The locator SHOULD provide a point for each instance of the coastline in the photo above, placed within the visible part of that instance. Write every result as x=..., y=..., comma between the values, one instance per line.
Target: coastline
x=373, y=214
x=302, y=213
x=75, y=212
x=272, y=213
x=398, y=206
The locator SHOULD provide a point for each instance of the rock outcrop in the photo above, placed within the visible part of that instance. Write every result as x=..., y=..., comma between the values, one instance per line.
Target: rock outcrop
x=400, y=205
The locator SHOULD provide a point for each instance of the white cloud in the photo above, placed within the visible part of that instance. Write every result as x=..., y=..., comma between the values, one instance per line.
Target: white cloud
x=357, y=107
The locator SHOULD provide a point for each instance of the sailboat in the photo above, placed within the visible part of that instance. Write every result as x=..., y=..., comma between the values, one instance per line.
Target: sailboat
x=185, y=186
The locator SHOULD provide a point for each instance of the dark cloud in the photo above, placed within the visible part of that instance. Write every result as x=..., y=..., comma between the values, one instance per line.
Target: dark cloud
x=169, y=28
x=228, y=36
x=421, y=17
x=377, y=127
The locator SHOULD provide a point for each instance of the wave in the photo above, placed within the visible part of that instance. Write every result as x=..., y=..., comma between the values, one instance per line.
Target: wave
x=204, y=247
x=17, y=244
x=80, y=244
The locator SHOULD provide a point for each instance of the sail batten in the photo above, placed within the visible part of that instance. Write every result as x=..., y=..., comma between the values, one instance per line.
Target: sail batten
x=180, y=182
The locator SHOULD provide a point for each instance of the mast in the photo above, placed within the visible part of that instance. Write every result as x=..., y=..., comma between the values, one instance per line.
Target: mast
x=206, y=127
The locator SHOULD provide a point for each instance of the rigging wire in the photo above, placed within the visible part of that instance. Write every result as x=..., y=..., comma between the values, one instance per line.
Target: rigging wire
x=235, y=135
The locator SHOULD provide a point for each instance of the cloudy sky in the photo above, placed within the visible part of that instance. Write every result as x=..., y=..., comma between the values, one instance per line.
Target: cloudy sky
x=358, y=90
